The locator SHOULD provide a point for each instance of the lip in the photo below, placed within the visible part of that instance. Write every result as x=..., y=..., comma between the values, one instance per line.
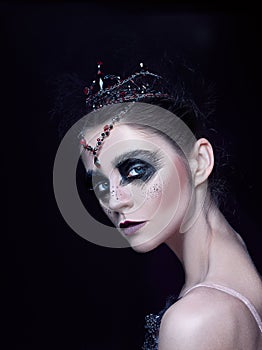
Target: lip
x=131, y=227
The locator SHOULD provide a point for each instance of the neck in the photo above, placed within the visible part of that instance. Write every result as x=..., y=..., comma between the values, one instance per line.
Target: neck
x=194, y=246
x=212, y=252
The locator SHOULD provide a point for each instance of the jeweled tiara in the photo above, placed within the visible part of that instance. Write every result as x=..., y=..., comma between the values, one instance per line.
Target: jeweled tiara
x=110, y=89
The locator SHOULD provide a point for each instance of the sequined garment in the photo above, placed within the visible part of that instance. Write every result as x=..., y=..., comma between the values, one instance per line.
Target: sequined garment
x=152, y=325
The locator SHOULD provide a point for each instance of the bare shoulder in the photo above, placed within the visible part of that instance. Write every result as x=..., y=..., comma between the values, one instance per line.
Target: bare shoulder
x=208, y=319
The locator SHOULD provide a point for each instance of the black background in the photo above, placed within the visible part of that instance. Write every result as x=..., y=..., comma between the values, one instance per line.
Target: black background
x=66, y=293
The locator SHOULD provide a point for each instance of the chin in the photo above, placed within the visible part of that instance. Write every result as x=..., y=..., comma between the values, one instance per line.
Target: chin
x=144, y=247
x=140, y=244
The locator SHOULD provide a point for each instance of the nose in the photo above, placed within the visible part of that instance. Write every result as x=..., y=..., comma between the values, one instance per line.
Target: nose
x=121, y=197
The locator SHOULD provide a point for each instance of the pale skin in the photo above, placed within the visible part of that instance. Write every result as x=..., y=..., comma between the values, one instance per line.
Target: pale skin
x=209, y=250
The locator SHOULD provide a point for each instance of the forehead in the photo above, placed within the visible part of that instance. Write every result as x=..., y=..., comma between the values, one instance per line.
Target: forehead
x=122, y=139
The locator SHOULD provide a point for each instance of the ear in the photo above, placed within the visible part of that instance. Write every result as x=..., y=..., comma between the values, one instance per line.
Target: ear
x=202, y=161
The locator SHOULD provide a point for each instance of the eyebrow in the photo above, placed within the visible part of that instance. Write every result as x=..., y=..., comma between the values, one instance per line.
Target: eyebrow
x=91, y=173
x=117, y=161
x=139, y=153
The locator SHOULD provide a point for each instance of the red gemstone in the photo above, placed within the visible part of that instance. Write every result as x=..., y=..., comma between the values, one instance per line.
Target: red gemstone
x=86, y=90
x=83, y=142
x=98, y=139
x=106, y=127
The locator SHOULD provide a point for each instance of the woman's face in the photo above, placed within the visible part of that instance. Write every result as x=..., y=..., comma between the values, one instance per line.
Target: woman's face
x=142, y=184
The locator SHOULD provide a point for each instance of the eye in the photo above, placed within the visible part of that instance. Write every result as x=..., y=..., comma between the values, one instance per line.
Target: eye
x=136, y=171
x=101, y=188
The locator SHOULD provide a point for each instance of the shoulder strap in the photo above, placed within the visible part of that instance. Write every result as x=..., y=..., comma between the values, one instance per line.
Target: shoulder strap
x=235, y=294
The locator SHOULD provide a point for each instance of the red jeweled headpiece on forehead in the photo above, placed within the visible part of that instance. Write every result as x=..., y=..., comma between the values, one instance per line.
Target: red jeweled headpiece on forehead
x=111, y=89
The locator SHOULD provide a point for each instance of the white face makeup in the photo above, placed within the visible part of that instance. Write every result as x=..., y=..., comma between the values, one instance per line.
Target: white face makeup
x=142, y=185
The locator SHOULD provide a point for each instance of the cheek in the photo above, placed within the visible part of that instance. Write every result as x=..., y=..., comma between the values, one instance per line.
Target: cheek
x=152, y=197
x=170, y=195
x=154, y=191
x=176, y=189
x=107, y=211
x=146, y=198
x=166, y=193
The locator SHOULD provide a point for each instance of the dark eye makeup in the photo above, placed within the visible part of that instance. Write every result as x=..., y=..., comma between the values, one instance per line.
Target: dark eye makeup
x=136, y=167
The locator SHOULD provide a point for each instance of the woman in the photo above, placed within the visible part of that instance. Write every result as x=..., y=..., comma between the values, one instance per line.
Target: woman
x=149, y=164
